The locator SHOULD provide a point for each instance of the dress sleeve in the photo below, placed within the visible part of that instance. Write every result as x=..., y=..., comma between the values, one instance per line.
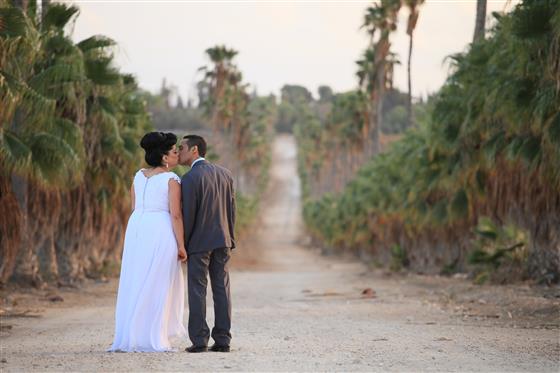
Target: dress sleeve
x=174, y=176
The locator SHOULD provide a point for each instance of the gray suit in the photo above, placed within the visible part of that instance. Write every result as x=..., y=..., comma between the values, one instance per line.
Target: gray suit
x=209, y=219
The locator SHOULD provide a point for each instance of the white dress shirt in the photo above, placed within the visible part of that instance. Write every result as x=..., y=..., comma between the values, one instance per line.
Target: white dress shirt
x=196, y=160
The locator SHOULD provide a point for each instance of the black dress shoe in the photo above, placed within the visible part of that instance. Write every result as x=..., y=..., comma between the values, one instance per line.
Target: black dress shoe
x=196, y=349
x=218, y=348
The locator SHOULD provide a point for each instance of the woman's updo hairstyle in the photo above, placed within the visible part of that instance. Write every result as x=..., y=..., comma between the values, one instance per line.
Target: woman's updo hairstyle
x=156, y=145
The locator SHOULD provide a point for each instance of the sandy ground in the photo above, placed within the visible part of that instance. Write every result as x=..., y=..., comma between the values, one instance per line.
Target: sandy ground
x=295, y=310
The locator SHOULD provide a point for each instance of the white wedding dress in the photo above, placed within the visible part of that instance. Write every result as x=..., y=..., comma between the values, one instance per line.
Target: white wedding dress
x=150, y=299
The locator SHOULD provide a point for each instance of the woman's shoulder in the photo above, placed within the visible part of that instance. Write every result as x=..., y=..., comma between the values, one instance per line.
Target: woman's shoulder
x=172, y=176
x=140, y=172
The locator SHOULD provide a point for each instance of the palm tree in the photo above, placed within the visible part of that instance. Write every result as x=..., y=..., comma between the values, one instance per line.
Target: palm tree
x=413, y=6
x=231, y=112
x=223, y=105
x=381, y=18
x=218, y=77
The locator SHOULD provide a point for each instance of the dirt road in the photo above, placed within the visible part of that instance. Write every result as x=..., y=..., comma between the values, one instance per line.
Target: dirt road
x=295, y=310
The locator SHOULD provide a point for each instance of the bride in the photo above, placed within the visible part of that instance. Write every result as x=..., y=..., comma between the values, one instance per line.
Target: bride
x=150, y=299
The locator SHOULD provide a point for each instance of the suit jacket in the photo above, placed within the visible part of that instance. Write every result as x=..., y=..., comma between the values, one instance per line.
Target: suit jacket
x=208, y=208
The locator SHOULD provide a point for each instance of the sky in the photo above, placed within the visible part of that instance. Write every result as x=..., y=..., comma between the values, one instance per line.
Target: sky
x=310, y=43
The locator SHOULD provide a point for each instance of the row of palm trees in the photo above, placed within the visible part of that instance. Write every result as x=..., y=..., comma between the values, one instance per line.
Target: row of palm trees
x=489, y=151
x=70, y=123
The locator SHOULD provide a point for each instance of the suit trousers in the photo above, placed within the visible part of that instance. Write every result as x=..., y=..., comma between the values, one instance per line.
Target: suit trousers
x=199, y=265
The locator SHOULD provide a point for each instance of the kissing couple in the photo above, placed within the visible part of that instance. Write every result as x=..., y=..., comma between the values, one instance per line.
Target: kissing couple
x=174, y=220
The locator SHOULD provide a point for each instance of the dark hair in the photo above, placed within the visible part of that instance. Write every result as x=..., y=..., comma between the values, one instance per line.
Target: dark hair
x=156, y=145
x=199, y=141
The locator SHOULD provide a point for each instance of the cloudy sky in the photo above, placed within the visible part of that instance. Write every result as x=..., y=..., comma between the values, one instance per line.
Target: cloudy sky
x=279, y=42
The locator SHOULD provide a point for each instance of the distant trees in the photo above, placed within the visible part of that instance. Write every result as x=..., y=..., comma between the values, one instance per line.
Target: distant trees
x=295, y=94
x=395, y=112
x=326, y=93
x=294, y=101
x=168, y=111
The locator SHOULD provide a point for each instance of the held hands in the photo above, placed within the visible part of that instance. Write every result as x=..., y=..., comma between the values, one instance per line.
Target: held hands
x=182, y=256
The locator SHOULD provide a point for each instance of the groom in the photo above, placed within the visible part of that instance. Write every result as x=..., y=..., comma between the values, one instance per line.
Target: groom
x=208, y=218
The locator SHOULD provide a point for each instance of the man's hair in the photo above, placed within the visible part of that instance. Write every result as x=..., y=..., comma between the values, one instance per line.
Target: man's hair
x=199, y=141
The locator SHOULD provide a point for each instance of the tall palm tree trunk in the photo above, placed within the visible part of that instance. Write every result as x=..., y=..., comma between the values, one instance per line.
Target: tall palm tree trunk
x=480, y=20
x=11, y=226
x=379, y=115
x=374, y=125
x=409, y=101
x=413, y=6
x=27, y=264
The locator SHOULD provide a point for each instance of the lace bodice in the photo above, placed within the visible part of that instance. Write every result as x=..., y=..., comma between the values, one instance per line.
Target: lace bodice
x=152, y=194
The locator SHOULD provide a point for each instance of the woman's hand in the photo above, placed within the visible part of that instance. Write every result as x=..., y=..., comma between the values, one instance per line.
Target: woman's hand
x=182, y=254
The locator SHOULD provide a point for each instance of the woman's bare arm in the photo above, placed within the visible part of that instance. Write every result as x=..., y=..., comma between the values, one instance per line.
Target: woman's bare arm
x=177, y=217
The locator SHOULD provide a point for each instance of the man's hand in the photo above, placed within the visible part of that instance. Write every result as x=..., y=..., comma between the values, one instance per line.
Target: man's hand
x=182, y=254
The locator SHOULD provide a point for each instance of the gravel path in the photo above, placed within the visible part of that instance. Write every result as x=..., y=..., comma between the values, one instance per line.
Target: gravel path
x=294, y=310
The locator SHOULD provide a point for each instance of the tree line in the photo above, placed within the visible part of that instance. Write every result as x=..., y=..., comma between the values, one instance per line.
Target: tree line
x=474, y=184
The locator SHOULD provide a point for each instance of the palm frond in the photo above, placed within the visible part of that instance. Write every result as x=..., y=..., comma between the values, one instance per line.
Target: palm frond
x=15, y=153
x=95, y=42
x=58, y=15
x=12, y=23
x=100, y=71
